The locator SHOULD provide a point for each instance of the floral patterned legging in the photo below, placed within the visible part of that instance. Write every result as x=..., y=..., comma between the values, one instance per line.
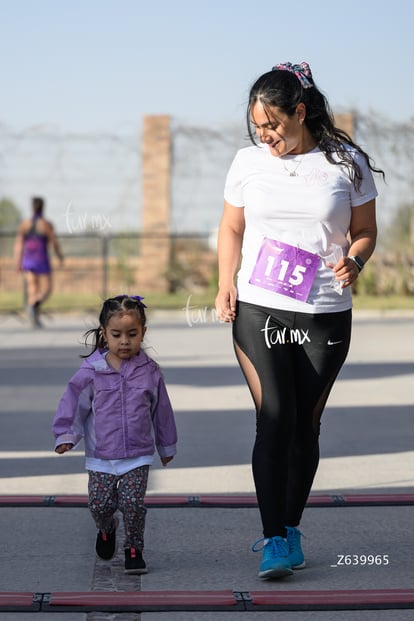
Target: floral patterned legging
x=126, y=492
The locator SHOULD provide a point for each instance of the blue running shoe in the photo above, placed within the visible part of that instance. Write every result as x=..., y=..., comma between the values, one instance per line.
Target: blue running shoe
x=275, y=562
x=296, y=557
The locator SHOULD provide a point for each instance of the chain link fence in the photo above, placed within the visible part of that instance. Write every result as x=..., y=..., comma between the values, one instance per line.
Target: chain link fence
x=92, y=187
x=96, y=266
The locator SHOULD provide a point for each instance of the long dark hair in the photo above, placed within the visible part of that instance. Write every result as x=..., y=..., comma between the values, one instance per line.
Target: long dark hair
x=111, y=306
x=284, y=90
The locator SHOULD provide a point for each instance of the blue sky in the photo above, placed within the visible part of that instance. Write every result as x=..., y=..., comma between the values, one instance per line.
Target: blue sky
x=90, y=65
x=96, y=67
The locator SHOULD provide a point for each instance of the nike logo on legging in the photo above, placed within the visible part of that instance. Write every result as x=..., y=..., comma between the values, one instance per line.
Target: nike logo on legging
x=334, y=342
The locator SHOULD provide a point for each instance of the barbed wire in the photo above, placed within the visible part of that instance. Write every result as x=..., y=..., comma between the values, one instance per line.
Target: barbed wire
x=92, y=177
x=88, y=174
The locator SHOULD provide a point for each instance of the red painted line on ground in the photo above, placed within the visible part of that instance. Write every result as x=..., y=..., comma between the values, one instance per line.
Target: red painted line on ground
x=321, y=500
x=142, y=601
x=145, y=597
x=78, y=500
x=346, y=599
x=167, y=499
x=381, y=499
x=229, y=500
x=19, y=601
x=354, y=599
x=14, y=500
x=210, y=500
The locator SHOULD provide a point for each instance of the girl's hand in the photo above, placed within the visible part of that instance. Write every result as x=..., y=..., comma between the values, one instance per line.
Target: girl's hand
x=62, y=448
x=166, y=460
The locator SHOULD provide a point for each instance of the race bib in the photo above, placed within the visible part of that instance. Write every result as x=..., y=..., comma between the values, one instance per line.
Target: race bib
x=285, y=269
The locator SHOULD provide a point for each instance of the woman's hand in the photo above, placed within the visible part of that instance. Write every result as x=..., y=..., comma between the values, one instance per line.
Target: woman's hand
x=166, y=460
x=346, y=271
x=226, y=304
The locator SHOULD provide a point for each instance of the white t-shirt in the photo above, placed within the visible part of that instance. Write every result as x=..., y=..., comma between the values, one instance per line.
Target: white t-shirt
x=310, y=211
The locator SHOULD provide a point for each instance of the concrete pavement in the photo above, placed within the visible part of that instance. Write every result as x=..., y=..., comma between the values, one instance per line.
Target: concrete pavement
x=366, y=446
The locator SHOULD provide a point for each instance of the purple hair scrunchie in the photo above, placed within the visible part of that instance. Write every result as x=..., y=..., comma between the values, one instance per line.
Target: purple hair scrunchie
x=302, y=71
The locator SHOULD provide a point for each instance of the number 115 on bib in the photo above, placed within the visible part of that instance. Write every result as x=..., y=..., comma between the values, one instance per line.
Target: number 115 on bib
x=285, y=269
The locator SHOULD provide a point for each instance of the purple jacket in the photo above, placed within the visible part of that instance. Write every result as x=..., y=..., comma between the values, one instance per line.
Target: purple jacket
x=119, y=414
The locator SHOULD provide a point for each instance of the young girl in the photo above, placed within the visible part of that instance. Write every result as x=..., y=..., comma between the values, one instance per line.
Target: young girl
x=118, y=402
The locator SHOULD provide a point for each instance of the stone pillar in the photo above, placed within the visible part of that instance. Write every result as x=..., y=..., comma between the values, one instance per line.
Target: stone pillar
x=156, y=183
x=346, y=122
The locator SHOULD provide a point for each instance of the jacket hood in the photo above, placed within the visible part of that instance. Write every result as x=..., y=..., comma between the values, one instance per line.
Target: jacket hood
x=97, y=361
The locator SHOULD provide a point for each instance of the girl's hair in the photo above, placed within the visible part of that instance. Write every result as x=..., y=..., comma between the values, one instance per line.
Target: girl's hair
x=119, y=304
x=288, y=85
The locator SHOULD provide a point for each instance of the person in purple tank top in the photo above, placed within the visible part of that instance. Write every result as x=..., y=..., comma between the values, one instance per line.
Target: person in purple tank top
x=32, y=257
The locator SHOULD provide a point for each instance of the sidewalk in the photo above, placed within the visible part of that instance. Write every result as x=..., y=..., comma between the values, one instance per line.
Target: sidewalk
x=196, y=539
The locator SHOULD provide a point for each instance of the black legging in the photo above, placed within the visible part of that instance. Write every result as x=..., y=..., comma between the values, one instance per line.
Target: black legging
x=290, y=362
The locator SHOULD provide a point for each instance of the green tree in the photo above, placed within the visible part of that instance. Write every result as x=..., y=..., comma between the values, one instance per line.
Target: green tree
x=10, y=216
x=399, y=234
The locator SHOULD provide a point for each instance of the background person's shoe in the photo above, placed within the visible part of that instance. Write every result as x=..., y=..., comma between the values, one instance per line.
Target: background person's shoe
x=33, y=312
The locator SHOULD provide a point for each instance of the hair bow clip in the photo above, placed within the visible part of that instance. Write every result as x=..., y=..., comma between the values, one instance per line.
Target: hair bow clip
x=137, y=298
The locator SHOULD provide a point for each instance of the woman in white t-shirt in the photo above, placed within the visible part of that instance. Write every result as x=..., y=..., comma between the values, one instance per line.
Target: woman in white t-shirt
x=300, y=212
